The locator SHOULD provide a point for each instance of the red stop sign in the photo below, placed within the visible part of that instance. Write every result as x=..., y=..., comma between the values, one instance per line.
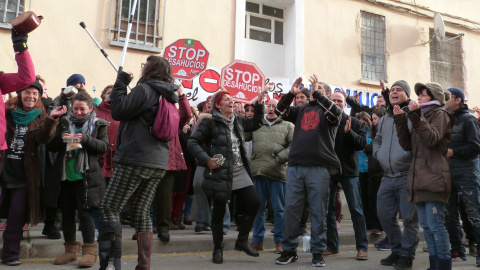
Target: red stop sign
x=243, y=80
x=188, y=58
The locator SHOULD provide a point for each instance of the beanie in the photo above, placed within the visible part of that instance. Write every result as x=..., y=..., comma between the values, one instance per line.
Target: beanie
x=434, y=88
x=36, y=85
x=457, y=93
x=306, y=92
x=75, y=78
x=404, y=85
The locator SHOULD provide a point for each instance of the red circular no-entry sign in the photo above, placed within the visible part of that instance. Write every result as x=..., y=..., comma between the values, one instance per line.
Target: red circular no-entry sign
x=187, y=57
x=243, y=80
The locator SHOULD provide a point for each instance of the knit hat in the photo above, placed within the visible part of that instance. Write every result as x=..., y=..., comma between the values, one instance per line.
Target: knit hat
x=457, y=93
x=36, y=85
x=434, y=88
x=306, y=92
x=404, y=85
x=75, y=78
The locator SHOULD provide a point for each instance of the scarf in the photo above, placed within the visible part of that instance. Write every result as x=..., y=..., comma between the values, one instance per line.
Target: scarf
x=88, y=125
x=24, y=118
x=428, y=106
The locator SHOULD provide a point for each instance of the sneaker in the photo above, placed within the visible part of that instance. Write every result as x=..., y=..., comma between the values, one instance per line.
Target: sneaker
x=317, y=260
x=404, y=263
x=14, y=262
x=362, y=255
x=26, y=227
x=3, y=226
x=286, y=258
x=391, y=259
x=376, y=231
x=383, y=245
x=458, y=256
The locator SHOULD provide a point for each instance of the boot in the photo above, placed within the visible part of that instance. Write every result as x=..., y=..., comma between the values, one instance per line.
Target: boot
x=144, y=250
x=110, y=245
x=242, y=241
x=217, y=232
x=433, y=263
x=70, y=255
x=89, y=255
x=444, y=264
x=50, y=230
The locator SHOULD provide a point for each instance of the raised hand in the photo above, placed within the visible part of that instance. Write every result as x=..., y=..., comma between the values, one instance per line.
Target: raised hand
x=59, y=111
x=314, y=82
x=382, y=84
x=413, y=105
x=348, y=125
x=296, y=86
x=397, y=110
x=343, y=92
x=180, y=90
x=357, y=96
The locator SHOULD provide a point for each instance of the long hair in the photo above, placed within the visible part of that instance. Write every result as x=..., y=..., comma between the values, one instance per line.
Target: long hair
x=157, y=68
x=380, y=112
x=367, y=119
x=14, y=103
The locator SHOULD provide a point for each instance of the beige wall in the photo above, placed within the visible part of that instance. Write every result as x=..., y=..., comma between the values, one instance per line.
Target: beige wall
x=332, y=47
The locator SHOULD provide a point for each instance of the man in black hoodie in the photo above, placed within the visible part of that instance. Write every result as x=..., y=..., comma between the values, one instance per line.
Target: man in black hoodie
x=463, y=155
x=350, y=138
x=312, y=159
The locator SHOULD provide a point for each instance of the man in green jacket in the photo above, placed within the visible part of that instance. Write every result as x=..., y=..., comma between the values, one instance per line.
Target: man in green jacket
x=271, y=145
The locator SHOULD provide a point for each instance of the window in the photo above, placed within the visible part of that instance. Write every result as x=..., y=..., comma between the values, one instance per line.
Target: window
x=264, y=23
x=373, y=47
x=9, y=9
x=446, y=62
x=145, y=25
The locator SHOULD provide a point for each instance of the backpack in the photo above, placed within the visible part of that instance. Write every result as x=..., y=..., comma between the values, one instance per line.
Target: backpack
x=167, y=121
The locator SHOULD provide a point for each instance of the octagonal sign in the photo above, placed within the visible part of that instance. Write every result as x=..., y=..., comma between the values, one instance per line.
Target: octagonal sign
x=243, y=80
x=187, y=57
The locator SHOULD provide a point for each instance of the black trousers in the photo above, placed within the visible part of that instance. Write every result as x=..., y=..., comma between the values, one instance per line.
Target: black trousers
x=246, y=196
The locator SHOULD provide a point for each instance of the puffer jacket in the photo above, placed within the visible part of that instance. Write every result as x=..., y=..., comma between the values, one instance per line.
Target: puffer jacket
x=136, y=113
x=271, y=146
x=94, y=182
x=214, y=133
x=395, y=161
x=429, y=174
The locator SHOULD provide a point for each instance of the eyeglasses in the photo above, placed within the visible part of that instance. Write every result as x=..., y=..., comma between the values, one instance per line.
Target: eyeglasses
x=271, y=105
x=142, y=65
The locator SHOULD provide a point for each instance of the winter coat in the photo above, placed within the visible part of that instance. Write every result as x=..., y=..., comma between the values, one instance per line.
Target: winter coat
x=271, y=146
x=348, y=145
x=40, y=131
x=363, y=156
x=465, y=140
x=429, y=175
x=105, y=160
x=94, y=181
x=136, y=146
x=176, y=161
x=395, y=161
x=215, y=134
x=11, y=82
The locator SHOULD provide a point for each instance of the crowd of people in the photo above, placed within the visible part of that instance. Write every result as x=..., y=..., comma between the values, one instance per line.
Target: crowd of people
x=71, y=157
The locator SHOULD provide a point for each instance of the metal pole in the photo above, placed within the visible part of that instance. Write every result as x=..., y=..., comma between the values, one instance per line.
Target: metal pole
x=127, y=38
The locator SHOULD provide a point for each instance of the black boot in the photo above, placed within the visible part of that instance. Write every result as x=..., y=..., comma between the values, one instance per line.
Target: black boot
x=217, y=232
x=242, y=241
x=433, y=263
x=50, y=229
x=444, y=264
x=110, y=245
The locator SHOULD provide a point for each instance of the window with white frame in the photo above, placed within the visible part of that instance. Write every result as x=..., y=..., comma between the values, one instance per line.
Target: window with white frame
x=264, y=23
x=373, y=46
x=145, y=32
x=9, y=9
x=446, y=61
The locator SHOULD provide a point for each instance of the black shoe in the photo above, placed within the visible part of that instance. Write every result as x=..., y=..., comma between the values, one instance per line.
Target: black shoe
x=458, y=256
x=391, y=259
x=135, y=236
x=217, y=256
x=286, y=258
x=164, y=236
x=14, y=262
x=317, y=260
x=245, y=247
x=51, y=232
x=404, y=263
x=199, y=228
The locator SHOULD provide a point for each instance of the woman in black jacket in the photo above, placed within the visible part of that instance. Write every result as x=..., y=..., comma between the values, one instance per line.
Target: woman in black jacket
x=227, y=167
x=141, y=159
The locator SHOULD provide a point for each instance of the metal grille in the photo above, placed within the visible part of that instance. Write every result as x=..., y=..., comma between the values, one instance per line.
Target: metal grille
x=446, y=62
x=9, y=9
x=373, y=46
x=145, y=30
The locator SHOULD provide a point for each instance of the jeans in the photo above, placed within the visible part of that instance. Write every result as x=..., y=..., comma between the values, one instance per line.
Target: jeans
x=393, y=196
x=351, y=188
x=204, y=216
x=275, y=190
x=312, y=182
x=432, y=220
x=465, y=191
x=187, y=209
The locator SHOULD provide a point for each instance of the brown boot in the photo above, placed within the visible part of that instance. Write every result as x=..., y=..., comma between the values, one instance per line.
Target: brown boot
x=257, y=246
x=178, y=223
x=70, y=255
x=89, y=255
x=144, y=250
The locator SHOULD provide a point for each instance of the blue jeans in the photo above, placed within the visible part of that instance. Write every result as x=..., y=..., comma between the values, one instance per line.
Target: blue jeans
x=351, y=188
x=275, y=190
x=432, y=219
x=312, y=183
x=465, y=191
x=187, y=209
